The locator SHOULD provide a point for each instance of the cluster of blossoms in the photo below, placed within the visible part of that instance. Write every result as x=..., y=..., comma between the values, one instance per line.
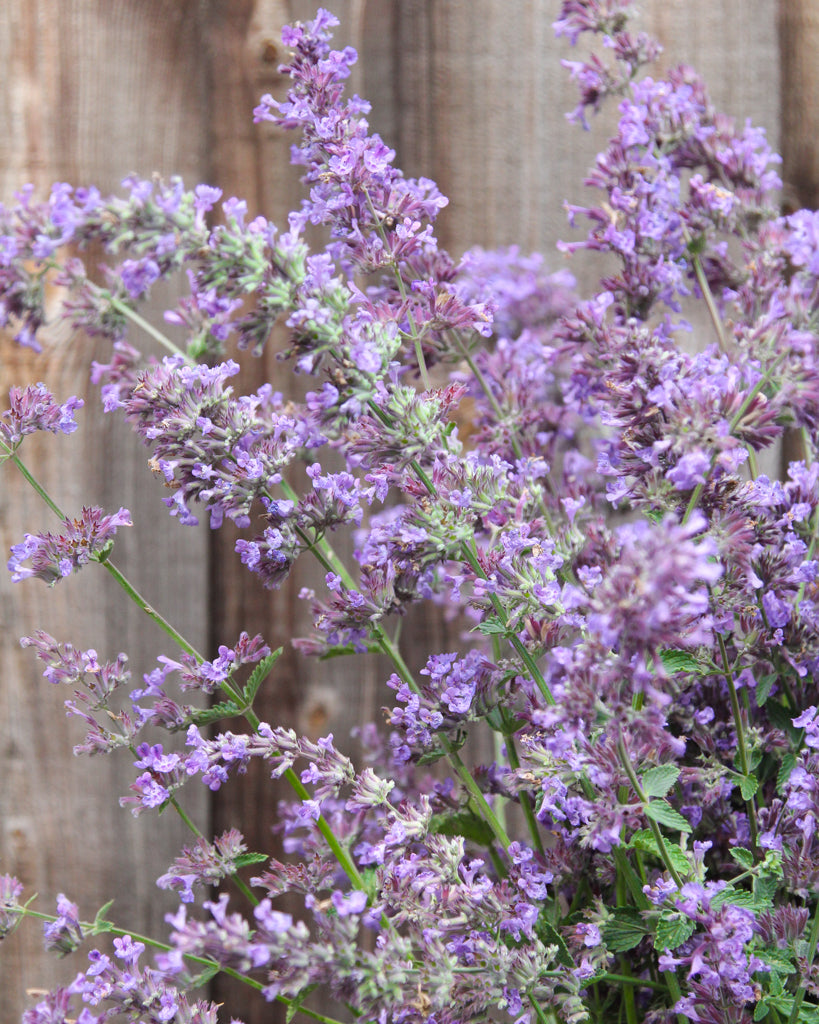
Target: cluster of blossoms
x=570, y=483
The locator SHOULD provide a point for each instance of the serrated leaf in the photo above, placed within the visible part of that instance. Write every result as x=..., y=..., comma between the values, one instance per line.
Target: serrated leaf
x=492, y=627
x=672, y=930
x=762, y=1010
x=245, y=859
x=742, y=856
x=663, y=813
x=644, y=840
x=259, y=674
x=623, y=930
x=204, y=976
x=462, y=823
x=657, y=781
x=779, y=960
x=679, y=661
x=764, y=687
x=294, y=1005
x=765, y=888
x=227, y=709
x=431, y=756
x=734, y=897
x=748, y=785
x=550, y=936
x=786, y=767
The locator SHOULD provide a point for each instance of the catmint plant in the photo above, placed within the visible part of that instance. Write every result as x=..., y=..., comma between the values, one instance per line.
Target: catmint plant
x=558, y=474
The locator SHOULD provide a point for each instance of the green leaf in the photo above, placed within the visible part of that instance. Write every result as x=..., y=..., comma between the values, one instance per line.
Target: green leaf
x=369, y=876
x=342, y=650
x=550, y=936
x=101, y=924
x=644, y=840
x=780, y=717
x=779, y=960
x=762, y=1010
x=765, y=888
x=662, y=812
x=742, y=856
x=764, y=687
x=259, y=674
x=294, y=1005
x=696, y=245
x=679, y=661
x=734, y=897
x=673, y=929
x=748, y=785
x=658, y=781
x=204, y=976
x=462, y=823
x=632, y=879
x=623, y=930
x=492, y=627
x=245, y=859
x=786, y=767
x=227, y=709
x=436, y=753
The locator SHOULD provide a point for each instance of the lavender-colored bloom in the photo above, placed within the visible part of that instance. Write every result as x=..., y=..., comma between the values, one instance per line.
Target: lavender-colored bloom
x=655, y=595
x=54, y=557
x=203, y=863
x=64, y=934
x=33, y=408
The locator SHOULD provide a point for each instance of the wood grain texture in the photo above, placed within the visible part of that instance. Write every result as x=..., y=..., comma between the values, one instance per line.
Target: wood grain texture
x=91, y=90
x=468, y=92
x=799, y=63
x=799, y=106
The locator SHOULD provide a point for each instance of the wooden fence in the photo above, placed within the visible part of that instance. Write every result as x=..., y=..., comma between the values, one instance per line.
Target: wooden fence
x=470, y=93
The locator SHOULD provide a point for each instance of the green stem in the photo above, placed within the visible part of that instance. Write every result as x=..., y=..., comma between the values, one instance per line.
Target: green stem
x=705, y=288
x=740, y=731
x=341, y=855
x=525, y=800
x=119, y=576
x=36, y=485
x=625, y=760
x=525, y=656
x=344, y=859
x=330, y=561
x=676, y=993
x=146, y=326
x=631, y=981
x=150, y=611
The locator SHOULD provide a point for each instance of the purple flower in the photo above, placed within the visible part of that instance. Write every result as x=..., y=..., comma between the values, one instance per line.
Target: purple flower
x=64, y=934
x=350, y=903
x=55, y=556
x=138, y=276
x=33, y=408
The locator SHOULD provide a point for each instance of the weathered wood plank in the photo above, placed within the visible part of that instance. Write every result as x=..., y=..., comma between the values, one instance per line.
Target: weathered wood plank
x=91, y=90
